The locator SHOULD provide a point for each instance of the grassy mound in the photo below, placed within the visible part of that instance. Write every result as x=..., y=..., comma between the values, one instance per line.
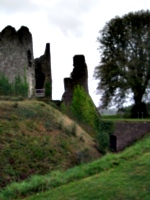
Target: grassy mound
x=36, y=139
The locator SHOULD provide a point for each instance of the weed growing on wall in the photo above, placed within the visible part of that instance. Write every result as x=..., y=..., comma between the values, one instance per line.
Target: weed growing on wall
x=20, y=87
x=5, y=86
x=47, y=89
x=17, y=88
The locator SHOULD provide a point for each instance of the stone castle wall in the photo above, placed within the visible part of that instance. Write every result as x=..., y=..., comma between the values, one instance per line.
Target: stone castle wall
x=16, y=55
x=16, y=58
x=79, y=76
x=43, y=70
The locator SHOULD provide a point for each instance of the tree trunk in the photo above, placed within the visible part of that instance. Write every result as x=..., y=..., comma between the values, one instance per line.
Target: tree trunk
x=139, y=109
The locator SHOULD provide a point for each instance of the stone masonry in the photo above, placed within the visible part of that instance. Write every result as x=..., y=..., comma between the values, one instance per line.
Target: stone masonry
x=16, y=55
x=43, y=70
x=79, y=76
x=16, y=59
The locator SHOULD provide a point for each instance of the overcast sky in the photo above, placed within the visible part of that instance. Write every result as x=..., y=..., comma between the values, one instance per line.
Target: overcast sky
x=70, y=26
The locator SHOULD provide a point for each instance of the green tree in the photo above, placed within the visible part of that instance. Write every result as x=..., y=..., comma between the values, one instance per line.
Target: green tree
x=125, y=59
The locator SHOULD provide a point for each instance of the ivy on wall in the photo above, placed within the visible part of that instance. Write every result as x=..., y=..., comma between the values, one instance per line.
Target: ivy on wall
x=19, y=87
x=83, y=110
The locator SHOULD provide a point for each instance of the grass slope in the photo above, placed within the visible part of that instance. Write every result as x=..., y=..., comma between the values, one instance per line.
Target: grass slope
x=36, y=139
x=126, y=182
x=115, y=176
x=128, y=179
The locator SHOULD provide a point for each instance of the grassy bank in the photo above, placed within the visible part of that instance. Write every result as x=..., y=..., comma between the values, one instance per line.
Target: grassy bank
x=36, y=139
x=127, y=182
x=115, y=176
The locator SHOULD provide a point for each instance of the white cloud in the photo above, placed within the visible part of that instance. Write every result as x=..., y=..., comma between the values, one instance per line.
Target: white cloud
x=68, y=15
x=10, y=7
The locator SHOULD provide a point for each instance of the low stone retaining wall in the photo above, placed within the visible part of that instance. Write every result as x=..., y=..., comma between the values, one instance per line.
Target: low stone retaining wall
x=128, y=132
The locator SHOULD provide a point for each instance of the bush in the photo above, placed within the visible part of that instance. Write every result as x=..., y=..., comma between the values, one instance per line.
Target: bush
x=103, y=135
x=83, y=108
x=84, y=112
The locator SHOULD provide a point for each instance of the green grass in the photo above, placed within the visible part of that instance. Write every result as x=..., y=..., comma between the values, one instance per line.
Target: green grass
x=126, y=182
x=115, y=176
x=120, y=118
x=35, y=139
x=39, y=146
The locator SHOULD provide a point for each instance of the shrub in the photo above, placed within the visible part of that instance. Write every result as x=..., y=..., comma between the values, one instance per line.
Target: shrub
x=84, y=112
x=83, y=108
x=103, y=135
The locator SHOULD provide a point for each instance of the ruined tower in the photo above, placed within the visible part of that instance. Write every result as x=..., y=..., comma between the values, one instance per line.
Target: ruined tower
x=79, y=76
x=43, y=72
x=16, y=59
x=16, y=55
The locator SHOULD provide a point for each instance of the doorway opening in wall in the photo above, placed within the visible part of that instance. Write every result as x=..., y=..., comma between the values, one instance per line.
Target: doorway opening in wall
x=40, y=79
x=113, y=143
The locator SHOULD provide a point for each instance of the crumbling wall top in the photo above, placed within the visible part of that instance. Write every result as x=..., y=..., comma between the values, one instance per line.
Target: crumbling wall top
x=79, y=76
x=24, y=35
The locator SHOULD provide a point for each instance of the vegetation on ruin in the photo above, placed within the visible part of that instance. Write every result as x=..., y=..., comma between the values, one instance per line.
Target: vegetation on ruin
x=124, y=70
x=84, y=112
x=115, y=176
x=17, y=88
x=47, y=89
x=83, y=109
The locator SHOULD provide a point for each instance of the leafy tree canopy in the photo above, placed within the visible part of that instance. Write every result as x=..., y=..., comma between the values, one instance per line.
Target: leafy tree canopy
x=125, y=59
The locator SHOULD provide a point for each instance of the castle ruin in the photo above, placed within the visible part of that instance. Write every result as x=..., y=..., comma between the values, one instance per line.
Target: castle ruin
x=79, y=76
x=16, y=55
x=43, y=75
x=17, y=59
